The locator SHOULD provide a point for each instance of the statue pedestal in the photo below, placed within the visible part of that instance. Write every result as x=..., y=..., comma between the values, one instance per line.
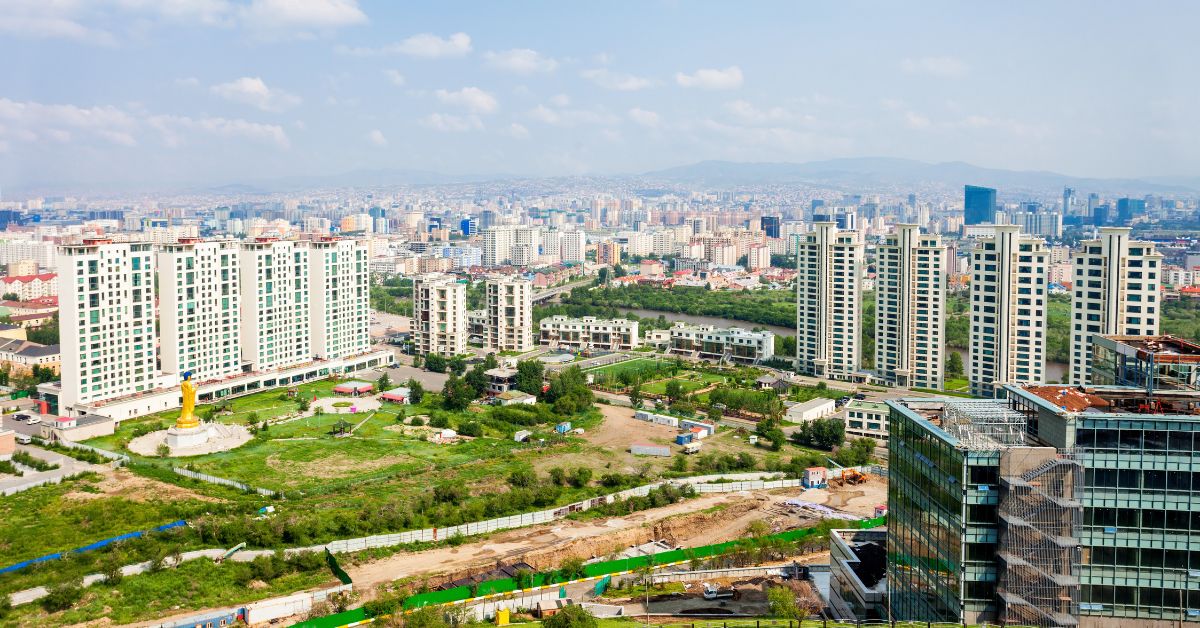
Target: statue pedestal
x=188, y=437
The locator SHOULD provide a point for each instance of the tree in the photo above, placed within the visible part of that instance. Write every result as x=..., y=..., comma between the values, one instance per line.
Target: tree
x=782, y=603
x=569, y=391
x=522, y=478
x=416, y=392
x=458, y=365
x=435, y=363
x=530, y=375
x=478, y=380
x=470, y=428
x=601, y=278
x=558, y=475
x=635, y=395
x=571, y=617
x=580, y=477
x=416, y=361
x=426, y=617
x=673, y=390
x=571, y=568
x=62, y=596
x=768, y=430
x=954, y=364
x=821, y=433
x=457, y=394
x=383, y=384
x=11, y=296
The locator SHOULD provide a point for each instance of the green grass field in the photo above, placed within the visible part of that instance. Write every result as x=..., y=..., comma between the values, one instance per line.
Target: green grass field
x=691, y=381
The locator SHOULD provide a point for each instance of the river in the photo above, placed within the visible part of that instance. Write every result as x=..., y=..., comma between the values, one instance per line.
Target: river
x=1054, y=370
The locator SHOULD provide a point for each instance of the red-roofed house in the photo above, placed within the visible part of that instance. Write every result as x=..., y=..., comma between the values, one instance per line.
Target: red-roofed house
x=29, y=287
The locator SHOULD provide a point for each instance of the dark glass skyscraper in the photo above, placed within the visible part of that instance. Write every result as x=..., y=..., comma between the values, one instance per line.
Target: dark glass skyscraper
x=770, y=225
x=979, y=205
x=1127, y=208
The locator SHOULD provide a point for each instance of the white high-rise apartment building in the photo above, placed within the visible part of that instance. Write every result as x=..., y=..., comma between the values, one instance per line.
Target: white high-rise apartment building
x=276, y=322
x=1008, y=311
x=910, y=314
x=497, y=245
x=510, y=314
x=528, y=236
x=828, y=297
x=552, y=245
x=663, y=243
x=573, y=246
x=107, y=318
x=340, y=298
x=199, y=287
x=439, y=315
x=1114, y=292
x=40, y=251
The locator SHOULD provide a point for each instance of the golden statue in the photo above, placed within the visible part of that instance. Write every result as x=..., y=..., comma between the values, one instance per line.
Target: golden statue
x=187, y=417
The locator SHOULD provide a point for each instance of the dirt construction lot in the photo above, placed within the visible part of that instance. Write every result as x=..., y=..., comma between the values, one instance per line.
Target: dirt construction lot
x=708, y=519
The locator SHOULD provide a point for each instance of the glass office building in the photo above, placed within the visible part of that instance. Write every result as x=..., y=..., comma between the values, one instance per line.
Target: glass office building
x=964, y=496
x=979, y=205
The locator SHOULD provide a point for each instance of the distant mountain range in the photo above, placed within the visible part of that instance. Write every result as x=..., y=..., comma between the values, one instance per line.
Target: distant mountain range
x=864, y=173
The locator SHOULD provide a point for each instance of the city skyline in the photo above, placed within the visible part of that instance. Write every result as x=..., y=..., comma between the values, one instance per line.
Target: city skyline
x=217, y=92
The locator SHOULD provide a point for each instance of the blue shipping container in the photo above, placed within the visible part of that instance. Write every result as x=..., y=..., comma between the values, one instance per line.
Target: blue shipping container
x=683, y=439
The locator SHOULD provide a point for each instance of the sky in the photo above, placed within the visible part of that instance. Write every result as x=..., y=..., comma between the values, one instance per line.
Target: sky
x=212, y=92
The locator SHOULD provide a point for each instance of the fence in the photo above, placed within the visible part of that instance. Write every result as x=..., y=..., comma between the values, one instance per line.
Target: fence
x=87, y=548
x=96, y=450
x=212, y=479
x=28, y=484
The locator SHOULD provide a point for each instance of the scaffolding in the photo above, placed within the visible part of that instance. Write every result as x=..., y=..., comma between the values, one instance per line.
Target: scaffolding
x=983, y=423
x=1038, y=581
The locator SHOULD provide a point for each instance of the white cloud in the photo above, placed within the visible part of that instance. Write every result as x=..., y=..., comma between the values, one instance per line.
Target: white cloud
x=644, y=117
x=472, y=99
x=915, y=120
x=452, y=123
x=31, y=121
x=615, y=80
x=172, y=129
x=425, y=45
x=941, y=67
x=560, y=100
x=710, y=78
x=189, y=81
x=395, y=77
x=520, y=61
x=516, y=130
x=50, y=21
x=571, y=117
x=376, y=137
x=303, y=14
x=68, y=19
x=253, y=91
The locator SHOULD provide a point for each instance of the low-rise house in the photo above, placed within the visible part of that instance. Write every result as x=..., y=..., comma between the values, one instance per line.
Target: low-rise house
x=811, y=410
x=501, y=380
x=867, y=419
x=515, y=397
x=20, y=356
x=589, y=332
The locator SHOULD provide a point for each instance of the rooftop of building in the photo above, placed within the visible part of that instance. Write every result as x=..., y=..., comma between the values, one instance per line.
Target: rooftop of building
x=1128, y=400
x=971, y=424
x=1164, y=348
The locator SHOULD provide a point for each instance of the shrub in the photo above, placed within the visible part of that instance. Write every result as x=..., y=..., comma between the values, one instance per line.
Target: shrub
x=62, y=596
x=417, y=421
x=571, y=617
x=470, y=428
x=439, y=420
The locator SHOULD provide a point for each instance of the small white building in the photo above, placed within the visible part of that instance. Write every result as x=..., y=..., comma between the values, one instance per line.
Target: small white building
x=811, y=410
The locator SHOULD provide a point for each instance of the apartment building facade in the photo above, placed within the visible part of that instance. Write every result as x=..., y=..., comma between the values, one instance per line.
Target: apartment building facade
x=276, y=326
x=107, y=320
x=340, y=298
x=1008, y=311
x=910, y=308
x=1115, y=290
x=200, y=308
x=439, y=315
x=510, y=314
x=828, y=297
x=589, y=333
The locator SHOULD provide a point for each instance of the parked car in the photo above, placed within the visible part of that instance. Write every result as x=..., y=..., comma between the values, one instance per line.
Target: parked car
x=860, y=396
x=34, y=420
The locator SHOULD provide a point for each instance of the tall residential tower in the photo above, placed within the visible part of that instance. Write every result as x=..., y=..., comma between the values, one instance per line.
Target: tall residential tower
x=1008, y=311
x=910, y=314
x=1115, y=291
x=828, y=295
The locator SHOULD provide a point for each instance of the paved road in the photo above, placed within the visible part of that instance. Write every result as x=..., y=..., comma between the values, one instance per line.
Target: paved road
x=546, y=295
x=67, y=466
